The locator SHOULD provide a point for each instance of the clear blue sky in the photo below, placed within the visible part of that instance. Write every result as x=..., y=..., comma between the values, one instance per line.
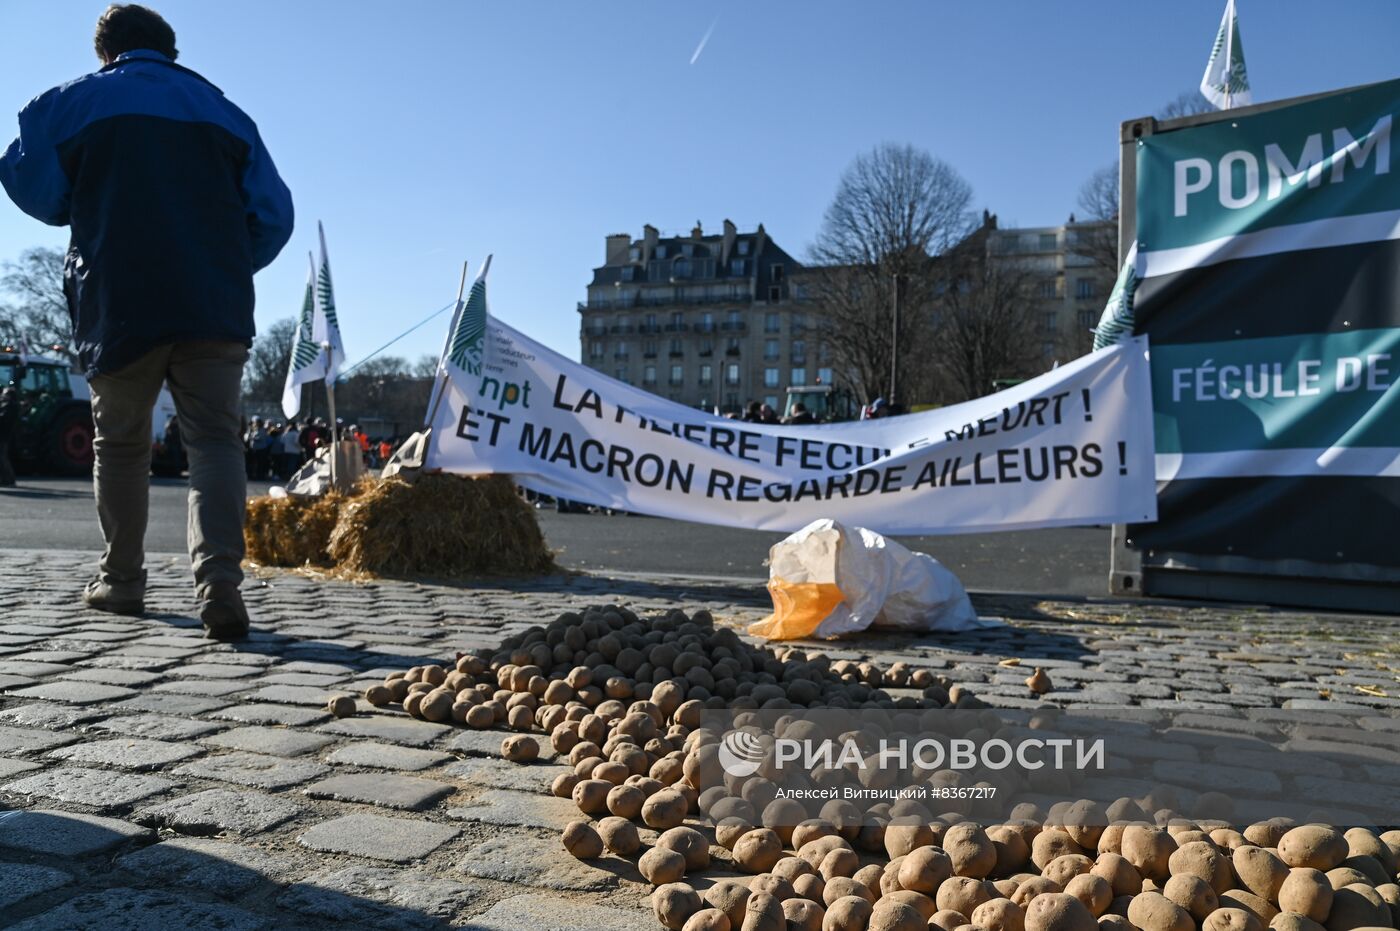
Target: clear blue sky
x=423, y=133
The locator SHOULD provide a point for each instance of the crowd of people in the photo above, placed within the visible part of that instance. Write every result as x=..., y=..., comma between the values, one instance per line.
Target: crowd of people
x=275, y=450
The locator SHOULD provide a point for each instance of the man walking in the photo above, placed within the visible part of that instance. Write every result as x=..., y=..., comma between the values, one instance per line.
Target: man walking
x=9, y=424
x=174, y=203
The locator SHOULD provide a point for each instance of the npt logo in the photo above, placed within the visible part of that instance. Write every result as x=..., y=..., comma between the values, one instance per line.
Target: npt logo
x=740, y=753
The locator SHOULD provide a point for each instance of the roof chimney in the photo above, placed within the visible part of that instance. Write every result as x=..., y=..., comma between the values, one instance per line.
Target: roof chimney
x=727, y=245
x=617, y=246
x=649, y=237
x=697, y=232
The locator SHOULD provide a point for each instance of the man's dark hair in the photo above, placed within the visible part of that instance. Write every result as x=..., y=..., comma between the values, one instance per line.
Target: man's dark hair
x=125, y=27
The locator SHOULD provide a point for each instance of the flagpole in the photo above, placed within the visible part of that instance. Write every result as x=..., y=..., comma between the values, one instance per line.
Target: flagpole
x=330, y=405
x=441, y=376
x=1229, y=51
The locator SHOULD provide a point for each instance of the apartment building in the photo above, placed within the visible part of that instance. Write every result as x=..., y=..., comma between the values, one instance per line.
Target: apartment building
x=707, y=320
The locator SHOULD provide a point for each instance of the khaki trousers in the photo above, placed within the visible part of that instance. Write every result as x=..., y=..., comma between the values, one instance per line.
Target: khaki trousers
x=205, y=379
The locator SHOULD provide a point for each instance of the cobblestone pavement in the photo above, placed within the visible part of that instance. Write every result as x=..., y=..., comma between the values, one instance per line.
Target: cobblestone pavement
x=150, y=778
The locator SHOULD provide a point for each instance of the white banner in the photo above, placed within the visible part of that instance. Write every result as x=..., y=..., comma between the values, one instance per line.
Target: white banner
x=1073, y=446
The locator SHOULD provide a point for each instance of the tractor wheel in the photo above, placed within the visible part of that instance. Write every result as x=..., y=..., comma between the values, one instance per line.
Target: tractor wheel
x=70, y=442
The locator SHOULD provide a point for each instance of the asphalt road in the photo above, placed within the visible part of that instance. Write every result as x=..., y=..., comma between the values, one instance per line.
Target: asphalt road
x=54, y=513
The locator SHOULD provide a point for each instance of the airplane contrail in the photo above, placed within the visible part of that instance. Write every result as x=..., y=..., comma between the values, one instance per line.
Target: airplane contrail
x=701, y=47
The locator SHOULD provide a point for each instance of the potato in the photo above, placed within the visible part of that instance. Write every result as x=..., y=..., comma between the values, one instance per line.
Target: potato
x=342, y=706
x=1051, y=843
x=708, y=919
x=921, y=903
x=563, y=785
x=378, y=695
x=816, y=851
x=1013, y=850
x=764, y=913
x=1034, y=886
x=906, y=835
x=849, y=913
x=1346, y=876
x=999, y=915
x=1260, y=908
x=779, y=887
x=961, y=894
x=478, y=716
x=1357, y=906
x=1119, y=873
x=1152, y=911
x=1193, y=894
x=841, y=861
x=1201, y=858
x=1260, y=871
x=1231, y=919
x=803, y=915
x=948, y=920
x=1288, y=921
x=924, y=870
x=520, y=748
x=591, y=796
x=895, y=916
x=673, y=904
x=970, y=849
x=758, y=850
x=1093, y=891
x=1064, y=868
x=619, y=835
x=729, y=830
x=1364, y=843
x=1112, y=922
x=1315, y=846
x=810, y=886
x=625, y=801
x=664, y=810
x=729, y=897
x=869, y=876
x=1060, y=911
x=792, y=867
x=661, y=866
x=1369, y=867
x=1148, y=848
x=1267, y=833
x=1305, y=891
x=1390, y=894
x=582, y=841
x=841, y=887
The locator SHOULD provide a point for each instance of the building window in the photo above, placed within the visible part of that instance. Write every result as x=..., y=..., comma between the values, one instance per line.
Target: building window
x=676, y=348
x=680, y=268
x=775, y=274
x=743, y=247
x=649, y=375
x=736, y=266
x=677, y=374
x=629, y=272
x=770, y=378
x=770, y=350
x=620, y=373
x=661, y=252
x=707, y=347
x=623, y=321
x=1049, y=289
x=799, y=351
x=677, y=319
x=1052, y=320
x=596, y=349
x=707, y=322
x=635, y=253
x=1088, y=319
x=731, y=402
x=824, y=349
x=1084, y=288
x=621, y=351
x=771, y=323
x=771, y=400
x=732, y=347
x=797, y=322
x=731, y=374
x=707, y=375
x=799, y=377
x=824, y=376
x=1048, y=242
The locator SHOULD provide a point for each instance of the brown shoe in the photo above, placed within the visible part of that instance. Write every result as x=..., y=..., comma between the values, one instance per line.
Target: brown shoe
x=115, y=599
x=222, y=610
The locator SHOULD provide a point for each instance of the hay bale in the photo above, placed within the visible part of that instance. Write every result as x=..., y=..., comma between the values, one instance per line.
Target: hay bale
x=439, y=526
x=291, y=531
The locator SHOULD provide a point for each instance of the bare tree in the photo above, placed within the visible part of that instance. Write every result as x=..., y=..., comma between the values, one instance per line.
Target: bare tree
x=1187, y=103
x=986, y=325
x=895, y=207
x=266, y=371
x=37, y=309
x=425, y=367
x=1098, y=201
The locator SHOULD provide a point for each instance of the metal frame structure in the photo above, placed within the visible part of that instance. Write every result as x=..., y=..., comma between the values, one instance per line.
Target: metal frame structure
x=1298, y=583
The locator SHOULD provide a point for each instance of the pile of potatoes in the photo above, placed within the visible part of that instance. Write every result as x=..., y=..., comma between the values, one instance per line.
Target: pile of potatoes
x=1072, y=874
x=605, y=659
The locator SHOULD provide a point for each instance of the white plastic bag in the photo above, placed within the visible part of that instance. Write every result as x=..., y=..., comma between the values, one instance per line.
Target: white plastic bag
x=828, y=579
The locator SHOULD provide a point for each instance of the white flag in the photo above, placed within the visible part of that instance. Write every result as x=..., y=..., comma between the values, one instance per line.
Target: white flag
x=326, y=327
x=306, y=349
x=1225, y=82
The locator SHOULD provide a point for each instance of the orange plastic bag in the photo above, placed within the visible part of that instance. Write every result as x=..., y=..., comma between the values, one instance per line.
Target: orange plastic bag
x=798, y=609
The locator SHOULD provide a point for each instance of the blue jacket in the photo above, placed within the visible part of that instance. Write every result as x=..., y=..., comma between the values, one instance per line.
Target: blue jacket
x=172, y=199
